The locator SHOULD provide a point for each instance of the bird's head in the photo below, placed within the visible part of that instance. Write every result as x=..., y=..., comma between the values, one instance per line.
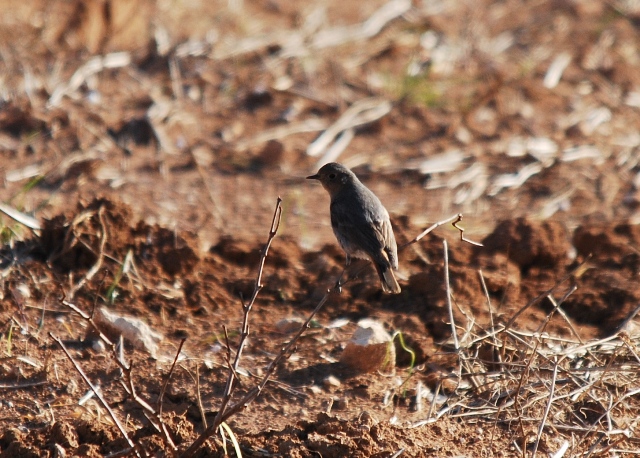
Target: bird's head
x=333, y=177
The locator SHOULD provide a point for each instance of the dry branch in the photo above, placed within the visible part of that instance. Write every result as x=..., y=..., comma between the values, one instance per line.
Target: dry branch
x=224, y=411
x=138, y=450
x=454, y=334
x=98, y=264
x=153, y=415
x=454, y=220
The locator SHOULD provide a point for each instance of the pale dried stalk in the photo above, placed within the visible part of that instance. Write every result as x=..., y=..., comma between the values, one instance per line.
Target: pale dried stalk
x=93, y=66
x=98, y=264
x=361, y=112
x=546, y=410
x=20, y=217
x=454, y=334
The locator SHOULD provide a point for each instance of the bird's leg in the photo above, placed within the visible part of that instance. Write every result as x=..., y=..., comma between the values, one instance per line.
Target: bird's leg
x=338, y=286
x=339, y=283
x=359, y=266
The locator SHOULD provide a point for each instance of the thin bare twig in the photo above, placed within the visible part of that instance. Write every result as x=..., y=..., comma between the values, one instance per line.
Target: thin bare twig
x=127, y=380
x=454, y=334
x=454, y=220
x=199, y=398
x=556, y=306
x=496, y=345
x=166, y=381
x=546, y=410
x=224, y=411
x=23, y=385
x=138, y=450
x=233, y=368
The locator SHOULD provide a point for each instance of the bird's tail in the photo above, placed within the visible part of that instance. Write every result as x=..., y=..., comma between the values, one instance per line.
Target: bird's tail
x=389, y=283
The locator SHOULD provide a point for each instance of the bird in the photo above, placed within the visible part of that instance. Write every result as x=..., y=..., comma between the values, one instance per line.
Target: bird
x=360, y=222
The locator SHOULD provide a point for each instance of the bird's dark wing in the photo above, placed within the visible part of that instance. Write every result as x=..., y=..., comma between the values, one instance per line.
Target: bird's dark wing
x=389, y=241
x=358, y=231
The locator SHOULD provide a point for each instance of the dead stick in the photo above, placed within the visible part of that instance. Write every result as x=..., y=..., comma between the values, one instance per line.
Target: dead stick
x=275, y=224
x=455, y=218
x=546, y=410
x=166, y=382
x=199, y=397
x=97, y=392
x=454, y=334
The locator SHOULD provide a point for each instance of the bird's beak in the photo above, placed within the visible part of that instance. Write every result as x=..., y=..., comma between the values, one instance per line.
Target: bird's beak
x=313, y=177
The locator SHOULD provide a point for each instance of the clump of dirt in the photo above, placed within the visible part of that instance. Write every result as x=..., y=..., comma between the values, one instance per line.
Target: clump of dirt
x=75, y=240
x=365, y=436
x=529, y=243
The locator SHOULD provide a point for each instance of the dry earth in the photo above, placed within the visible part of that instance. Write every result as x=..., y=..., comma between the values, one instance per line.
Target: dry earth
x=152, y=139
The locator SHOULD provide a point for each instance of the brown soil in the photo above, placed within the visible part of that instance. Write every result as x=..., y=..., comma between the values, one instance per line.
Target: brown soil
x=156, y=191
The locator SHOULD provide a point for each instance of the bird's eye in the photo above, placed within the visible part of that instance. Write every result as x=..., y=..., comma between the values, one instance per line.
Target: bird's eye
x=332, y=176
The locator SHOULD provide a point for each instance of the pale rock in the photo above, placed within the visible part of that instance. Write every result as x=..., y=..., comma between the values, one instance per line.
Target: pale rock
x=370, y=349
x=131, y=329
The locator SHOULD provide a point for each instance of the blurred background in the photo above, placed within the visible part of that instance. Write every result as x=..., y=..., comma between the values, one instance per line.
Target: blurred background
x=198, y=114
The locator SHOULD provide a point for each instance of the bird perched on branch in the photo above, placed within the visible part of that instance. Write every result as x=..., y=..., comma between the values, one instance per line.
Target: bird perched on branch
x=360, y=222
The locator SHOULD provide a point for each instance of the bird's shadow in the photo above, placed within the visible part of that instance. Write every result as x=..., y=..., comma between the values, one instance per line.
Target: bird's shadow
x=314, y=375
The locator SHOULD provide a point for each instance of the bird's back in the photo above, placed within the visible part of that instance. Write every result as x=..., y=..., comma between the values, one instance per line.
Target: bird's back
x=360, y=221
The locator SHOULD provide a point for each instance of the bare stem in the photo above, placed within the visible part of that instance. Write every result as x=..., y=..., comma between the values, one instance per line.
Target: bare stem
x=127, y=379
x=454, y=334
x=224, y=411
x=454, y=220
x=139, y=452
x=166, y=381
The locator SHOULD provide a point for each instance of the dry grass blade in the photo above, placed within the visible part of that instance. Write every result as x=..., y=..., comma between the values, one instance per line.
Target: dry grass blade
x=546, y=410
x=362, y=112
x=20, y=217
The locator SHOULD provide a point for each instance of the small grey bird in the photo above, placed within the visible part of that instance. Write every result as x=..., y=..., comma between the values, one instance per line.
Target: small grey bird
x=360, y=222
